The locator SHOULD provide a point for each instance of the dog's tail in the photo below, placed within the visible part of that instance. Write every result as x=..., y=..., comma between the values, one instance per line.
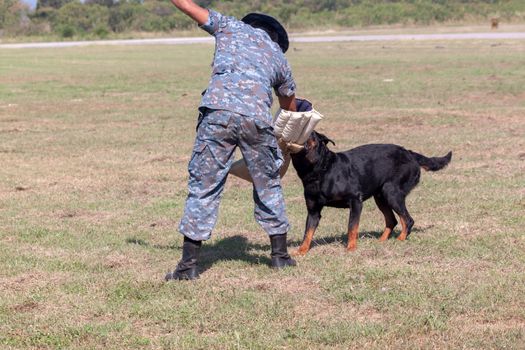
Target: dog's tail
x=432, y=164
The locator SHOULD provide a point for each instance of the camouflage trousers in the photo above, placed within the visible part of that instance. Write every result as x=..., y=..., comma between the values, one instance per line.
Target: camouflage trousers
x=219, y=133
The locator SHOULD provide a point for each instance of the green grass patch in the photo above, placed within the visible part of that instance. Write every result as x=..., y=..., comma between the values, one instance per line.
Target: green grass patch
x=94, y=146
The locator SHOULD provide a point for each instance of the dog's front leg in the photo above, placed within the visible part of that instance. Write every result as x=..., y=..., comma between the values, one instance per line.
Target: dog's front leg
x=353, y=224
x=312, y=221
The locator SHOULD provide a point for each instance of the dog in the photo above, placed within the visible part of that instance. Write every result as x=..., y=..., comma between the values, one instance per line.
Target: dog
x=386, y=172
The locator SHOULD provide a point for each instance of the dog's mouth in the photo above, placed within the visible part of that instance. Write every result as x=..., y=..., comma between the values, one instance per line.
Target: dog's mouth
x=311, y=143
x=295, y=148
x=306, y=147
x=303, y=152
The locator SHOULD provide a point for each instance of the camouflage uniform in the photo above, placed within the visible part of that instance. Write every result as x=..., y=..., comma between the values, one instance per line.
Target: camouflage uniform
x=235, y=112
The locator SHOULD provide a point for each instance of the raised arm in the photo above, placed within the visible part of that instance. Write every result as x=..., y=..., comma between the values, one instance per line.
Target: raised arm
x=197, y=13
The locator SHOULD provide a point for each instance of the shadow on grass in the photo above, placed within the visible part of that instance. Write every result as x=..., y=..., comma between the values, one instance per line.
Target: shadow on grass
x=239, y=248
x=145, y=244
x=230, y=248
x=234, y=248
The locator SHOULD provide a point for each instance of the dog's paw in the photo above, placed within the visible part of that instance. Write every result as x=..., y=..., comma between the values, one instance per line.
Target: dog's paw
x=401, y=237
x=385, y=235
x=299, y=252
x=351, y=248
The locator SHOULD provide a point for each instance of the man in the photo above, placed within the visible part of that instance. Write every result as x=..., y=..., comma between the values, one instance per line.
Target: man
x=248, y=63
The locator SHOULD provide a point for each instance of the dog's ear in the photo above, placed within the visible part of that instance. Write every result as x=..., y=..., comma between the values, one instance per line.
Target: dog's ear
x=325, y=139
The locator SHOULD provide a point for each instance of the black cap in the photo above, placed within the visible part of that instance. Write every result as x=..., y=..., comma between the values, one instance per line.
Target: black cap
x=272, y=24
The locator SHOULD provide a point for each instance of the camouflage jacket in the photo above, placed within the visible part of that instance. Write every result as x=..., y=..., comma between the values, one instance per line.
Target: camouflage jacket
x=246, y=66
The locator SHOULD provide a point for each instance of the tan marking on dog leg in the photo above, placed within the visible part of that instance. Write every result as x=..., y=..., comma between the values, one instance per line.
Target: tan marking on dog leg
x=305, y=246
x=386, y=234
x=403, y=234
x=390, y=220
x=352, y=238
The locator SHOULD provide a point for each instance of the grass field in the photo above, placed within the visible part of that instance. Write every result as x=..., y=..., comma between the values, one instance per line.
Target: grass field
x=94, y=144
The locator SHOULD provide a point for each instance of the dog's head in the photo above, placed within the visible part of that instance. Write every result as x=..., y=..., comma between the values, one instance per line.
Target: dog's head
x=314, y=150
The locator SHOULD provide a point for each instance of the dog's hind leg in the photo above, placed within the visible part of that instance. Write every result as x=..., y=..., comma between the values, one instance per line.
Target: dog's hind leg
x=312, y=221
x=396, y=200
x=353, y=224
x=390, y=218
x=406, y=223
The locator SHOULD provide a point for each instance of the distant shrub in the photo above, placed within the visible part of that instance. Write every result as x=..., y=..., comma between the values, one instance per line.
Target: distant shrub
x=84, y=18
x=56, y=4
x=66, y=31
x=45, y=14
x=123, y=17
x=101, y=31
x=103, y=17
x=10, y=13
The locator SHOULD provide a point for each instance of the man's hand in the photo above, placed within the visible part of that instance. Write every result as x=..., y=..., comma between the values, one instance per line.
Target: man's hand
x=287, y=103
x=197, y=13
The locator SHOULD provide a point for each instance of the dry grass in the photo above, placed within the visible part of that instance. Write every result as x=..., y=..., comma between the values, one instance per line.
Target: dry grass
x=94, y=144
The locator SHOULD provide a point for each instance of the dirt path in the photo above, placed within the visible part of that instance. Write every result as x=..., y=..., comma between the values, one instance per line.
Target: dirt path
x=296, y=39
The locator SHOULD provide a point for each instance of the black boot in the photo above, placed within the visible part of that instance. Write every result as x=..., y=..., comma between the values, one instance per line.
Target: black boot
x=187, y=266
x=280, y=256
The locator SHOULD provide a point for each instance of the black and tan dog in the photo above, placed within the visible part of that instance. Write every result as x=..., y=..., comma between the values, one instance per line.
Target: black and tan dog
x=345, y=180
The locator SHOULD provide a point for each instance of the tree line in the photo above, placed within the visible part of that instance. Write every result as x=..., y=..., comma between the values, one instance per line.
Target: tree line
x=102, y=18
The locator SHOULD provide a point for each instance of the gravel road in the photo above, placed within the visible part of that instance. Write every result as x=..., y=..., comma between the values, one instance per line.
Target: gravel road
x=293, y=39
